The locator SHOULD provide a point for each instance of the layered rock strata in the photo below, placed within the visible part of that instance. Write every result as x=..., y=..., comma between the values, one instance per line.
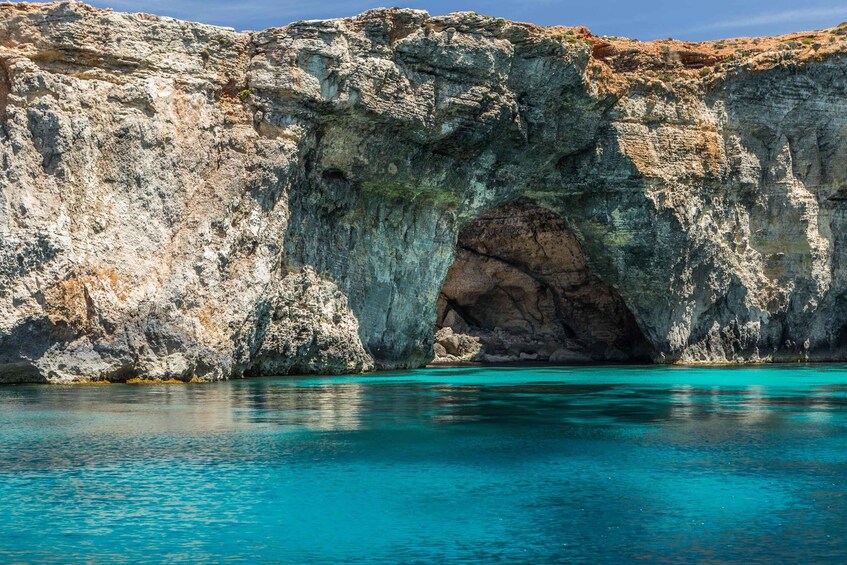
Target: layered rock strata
x=180, y=200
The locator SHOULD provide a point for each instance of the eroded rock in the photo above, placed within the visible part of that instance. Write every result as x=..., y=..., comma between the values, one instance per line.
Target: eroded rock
x=168, y=189
x=453, y=347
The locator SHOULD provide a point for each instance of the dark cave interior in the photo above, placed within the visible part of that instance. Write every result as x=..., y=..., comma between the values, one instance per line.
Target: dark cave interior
x=520, y=290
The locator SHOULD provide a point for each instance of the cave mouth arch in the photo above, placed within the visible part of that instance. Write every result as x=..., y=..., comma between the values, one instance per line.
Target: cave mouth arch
x=520, y=290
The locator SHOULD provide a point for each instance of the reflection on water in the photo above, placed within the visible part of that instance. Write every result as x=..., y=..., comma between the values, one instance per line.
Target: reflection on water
x=537, y=464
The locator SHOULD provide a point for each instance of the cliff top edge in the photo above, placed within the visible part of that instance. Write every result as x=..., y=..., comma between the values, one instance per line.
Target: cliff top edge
x=622, y=56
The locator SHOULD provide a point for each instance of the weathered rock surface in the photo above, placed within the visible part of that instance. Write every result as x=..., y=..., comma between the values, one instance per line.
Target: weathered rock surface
x=182, y=200
x=451, y=347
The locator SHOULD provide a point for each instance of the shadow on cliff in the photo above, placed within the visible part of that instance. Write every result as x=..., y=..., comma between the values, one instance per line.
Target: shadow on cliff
x=27, y=341
x=390, y=252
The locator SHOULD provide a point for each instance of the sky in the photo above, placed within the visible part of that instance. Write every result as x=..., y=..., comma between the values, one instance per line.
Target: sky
x=642, y=19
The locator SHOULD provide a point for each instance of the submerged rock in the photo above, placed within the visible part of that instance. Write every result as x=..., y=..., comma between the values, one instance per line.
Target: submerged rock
x=184, y=201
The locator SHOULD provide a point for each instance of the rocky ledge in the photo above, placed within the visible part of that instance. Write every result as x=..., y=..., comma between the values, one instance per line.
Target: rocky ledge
x=184, y=201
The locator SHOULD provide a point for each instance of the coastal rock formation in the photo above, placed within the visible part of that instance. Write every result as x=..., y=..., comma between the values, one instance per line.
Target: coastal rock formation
x=180, y=200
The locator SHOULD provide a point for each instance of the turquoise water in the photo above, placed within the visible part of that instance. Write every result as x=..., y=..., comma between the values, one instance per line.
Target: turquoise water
x=532, y=465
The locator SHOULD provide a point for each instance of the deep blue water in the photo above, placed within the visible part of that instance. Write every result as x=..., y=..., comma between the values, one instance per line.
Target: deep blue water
x=532, y=465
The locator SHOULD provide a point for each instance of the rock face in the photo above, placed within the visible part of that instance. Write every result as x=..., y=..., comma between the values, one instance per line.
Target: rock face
x=179, y=200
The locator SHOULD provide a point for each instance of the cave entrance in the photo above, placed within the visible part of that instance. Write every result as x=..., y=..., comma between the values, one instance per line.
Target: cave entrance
x=520, y=290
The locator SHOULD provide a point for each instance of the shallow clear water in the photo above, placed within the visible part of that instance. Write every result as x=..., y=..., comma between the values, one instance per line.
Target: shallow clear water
x=510, y=465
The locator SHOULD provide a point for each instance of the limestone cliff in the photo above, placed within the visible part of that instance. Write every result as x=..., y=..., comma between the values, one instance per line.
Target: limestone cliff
x=182, y=200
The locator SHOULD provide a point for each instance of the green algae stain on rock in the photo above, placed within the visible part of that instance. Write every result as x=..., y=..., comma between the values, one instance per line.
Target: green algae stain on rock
x=398, y=191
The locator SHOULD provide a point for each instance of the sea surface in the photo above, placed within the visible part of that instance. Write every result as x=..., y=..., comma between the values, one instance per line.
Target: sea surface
x=471, y=465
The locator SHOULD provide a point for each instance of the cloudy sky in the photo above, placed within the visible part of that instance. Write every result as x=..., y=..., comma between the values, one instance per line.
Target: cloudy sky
x=644, y=19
